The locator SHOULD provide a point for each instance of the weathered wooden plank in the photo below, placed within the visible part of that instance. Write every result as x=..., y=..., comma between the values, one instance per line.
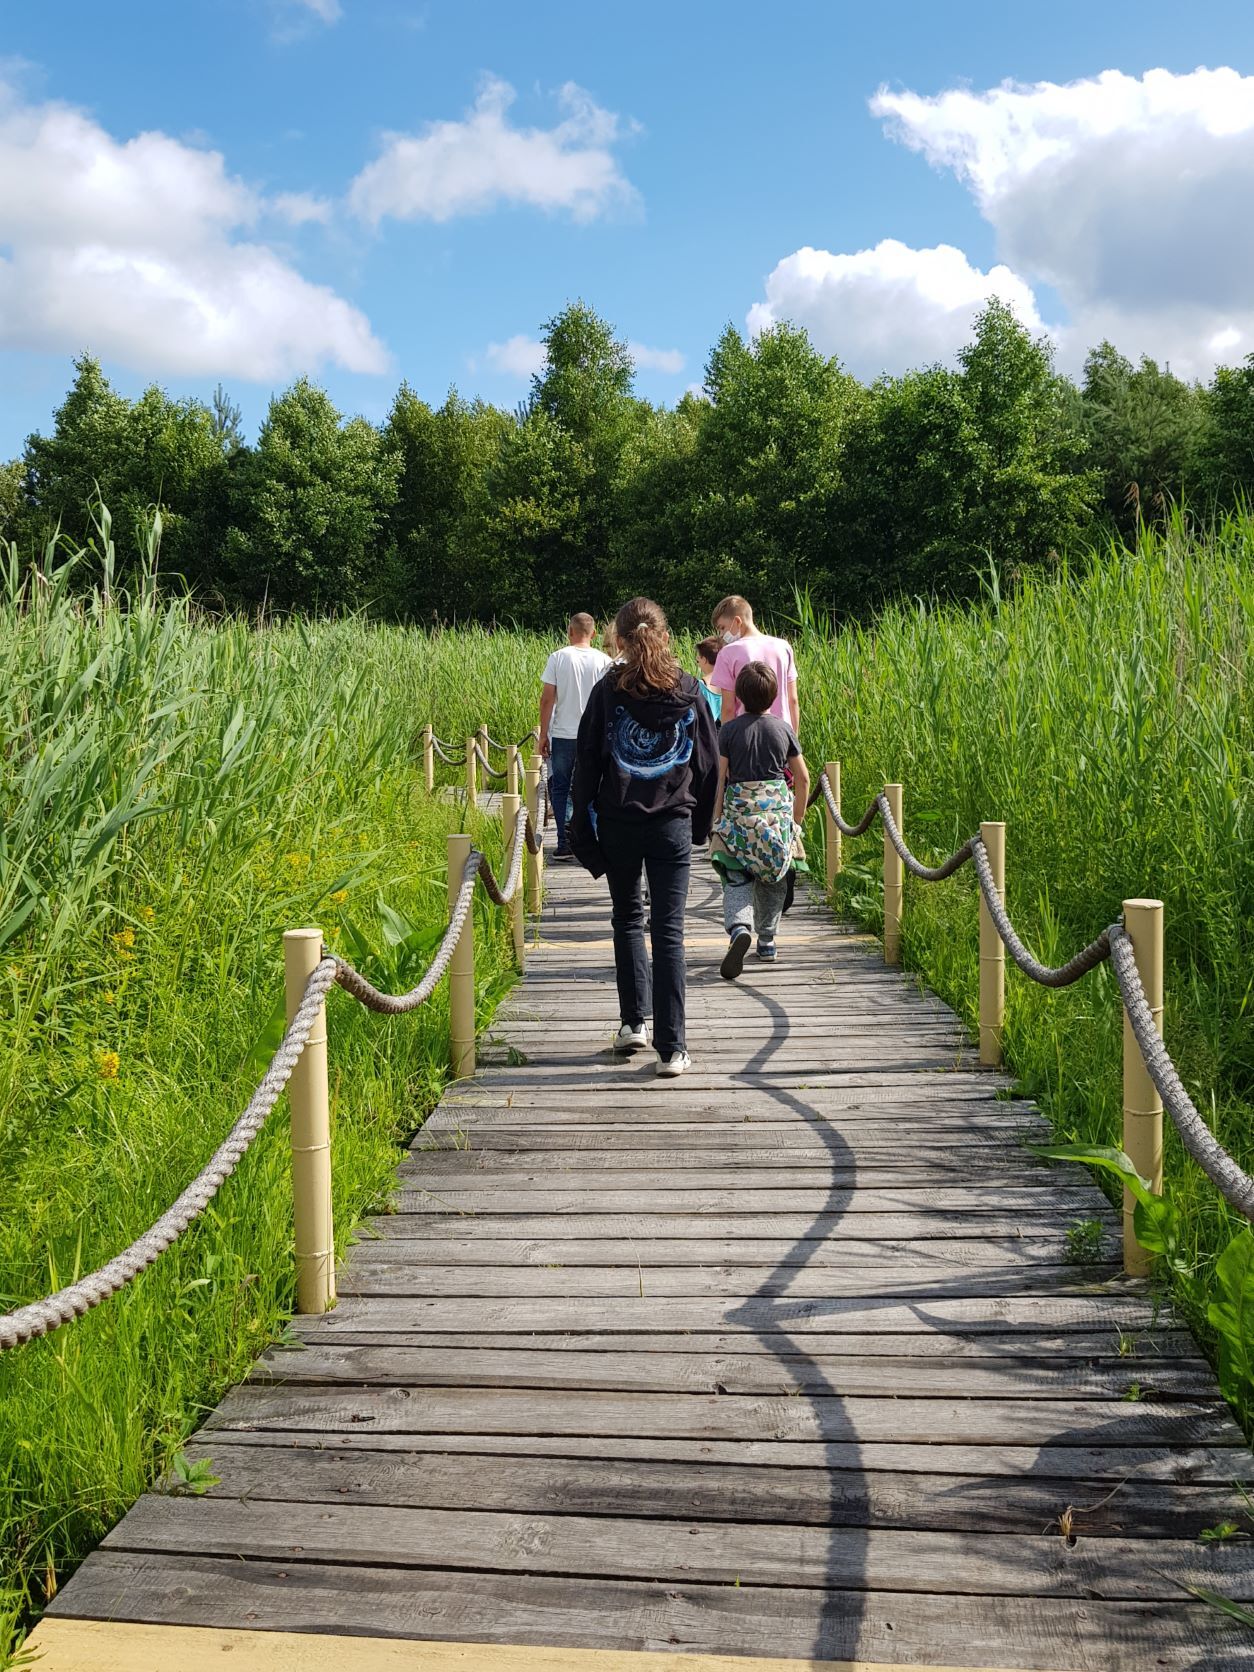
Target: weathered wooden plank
x=958, y=1200
x=606, y=1141
x=64, y=1645
x=835, y=1226
x=1138, y=1354
x=853, y=1497
x=471, y=1173
x=1110, y=1569
x=953, y=1254
x=698, y=1416
x=999, y=1315
x=467, y=1365
x=1105, y=1466
x=739, y=1619
x=375, y=1271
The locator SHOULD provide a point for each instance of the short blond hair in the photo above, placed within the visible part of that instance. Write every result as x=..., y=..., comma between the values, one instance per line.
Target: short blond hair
x=583, y=624
x=735, y=605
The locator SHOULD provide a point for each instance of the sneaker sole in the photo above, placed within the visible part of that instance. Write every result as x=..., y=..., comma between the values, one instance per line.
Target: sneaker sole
x=664, y=1072
x=734, y=957
x=632, y=1050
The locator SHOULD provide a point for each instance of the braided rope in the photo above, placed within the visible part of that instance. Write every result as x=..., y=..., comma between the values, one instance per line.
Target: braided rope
x=442, y=750
x=1234, y=1185
x=486, y=764
x=501, y=896
x=531, y=737
x=863, y=824
x=1064, y=975
x=927, y=873
x=399, y=1004
x=41, y=1316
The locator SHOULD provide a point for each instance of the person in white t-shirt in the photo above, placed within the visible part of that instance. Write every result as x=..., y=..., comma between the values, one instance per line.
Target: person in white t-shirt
x=742, y=644
x=569, y=675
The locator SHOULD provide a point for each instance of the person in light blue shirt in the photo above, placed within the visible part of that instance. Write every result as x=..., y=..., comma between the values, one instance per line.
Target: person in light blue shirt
x=707, y=655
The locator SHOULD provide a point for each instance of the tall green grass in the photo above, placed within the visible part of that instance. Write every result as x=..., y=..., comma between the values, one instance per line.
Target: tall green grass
x=175, y=793
x=1106, y=713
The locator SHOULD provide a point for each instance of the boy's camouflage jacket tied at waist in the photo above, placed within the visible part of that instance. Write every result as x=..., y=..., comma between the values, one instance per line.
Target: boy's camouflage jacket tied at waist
x=756, y=834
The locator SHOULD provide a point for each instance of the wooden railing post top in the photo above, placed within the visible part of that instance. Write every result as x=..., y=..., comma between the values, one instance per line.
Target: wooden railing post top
x=294, y=935
x=992, y=824
x=1141, y=906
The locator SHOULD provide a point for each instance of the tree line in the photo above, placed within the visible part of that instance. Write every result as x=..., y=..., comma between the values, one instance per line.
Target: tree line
x=784, y=474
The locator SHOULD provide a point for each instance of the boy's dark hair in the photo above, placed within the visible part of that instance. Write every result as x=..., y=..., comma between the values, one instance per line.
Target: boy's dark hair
x=708, y=650
x=756, y=687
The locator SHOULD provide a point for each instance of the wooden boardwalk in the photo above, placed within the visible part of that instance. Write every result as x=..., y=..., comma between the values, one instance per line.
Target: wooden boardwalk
x=782, y=1359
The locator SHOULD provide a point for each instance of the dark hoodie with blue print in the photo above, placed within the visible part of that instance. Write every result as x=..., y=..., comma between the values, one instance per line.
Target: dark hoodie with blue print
x=640, y=758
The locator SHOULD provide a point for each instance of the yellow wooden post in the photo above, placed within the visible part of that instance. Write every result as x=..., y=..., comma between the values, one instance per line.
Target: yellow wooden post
x=511, y=813
x=310, y=1104
x=535, y=861
x=894, y=879
x=1142, y=1106
x=511, y=770
x=461, y=970
x=832, y=848
x=992, y=952
x=472, y=774
x=428, y=758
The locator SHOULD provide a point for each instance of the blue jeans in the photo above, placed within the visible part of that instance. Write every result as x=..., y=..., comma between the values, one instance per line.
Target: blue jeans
x=662, y=848
x=561, y=771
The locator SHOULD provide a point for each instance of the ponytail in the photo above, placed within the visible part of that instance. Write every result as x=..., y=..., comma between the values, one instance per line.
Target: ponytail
x=650, y=668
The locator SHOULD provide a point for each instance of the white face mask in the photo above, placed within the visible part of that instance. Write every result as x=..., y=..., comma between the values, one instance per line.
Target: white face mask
x=728, y=637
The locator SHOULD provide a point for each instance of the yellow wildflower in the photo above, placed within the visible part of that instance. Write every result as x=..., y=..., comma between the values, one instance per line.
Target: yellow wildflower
x=124, y=938
x=147, y=913
x=108, y=995
x=108, y=1063
x=340, y=895
x=297, y=861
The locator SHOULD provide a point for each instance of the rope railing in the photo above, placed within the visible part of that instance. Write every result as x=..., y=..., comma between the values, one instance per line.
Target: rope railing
x=486, y=764
x=1151, y=1081
x=303, y=1048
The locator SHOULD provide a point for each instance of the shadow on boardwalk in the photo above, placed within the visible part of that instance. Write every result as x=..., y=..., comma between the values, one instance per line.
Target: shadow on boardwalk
x=548, y=1409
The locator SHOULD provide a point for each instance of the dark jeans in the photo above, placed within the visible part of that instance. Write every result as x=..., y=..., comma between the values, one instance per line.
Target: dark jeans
x=561, y=771
x=662, y=847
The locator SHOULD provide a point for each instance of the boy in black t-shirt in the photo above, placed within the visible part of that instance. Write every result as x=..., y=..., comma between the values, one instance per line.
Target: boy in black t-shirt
x=757, y=814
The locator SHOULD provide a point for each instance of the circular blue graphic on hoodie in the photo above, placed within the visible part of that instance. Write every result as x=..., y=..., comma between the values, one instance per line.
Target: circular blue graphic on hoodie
x=641, y=752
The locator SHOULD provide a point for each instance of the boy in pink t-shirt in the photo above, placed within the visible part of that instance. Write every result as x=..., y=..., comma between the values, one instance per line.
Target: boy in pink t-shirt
x=742, y=644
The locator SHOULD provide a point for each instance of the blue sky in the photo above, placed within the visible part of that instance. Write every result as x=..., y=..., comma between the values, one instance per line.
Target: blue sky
x=708, y=145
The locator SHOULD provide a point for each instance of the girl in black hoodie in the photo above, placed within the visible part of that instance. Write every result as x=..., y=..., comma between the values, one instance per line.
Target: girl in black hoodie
x=646, y=775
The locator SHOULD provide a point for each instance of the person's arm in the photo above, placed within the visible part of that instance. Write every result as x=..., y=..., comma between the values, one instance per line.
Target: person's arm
x=794, y=707
x=585, y=783
x=548, y=702
x=723, y=683
x=722, y=788
x=705, y=771
x=800, y=787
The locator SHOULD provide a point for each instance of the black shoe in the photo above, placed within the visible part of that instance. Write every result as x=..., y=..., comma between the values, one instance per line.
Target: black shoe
x=734, y=957
x=561, y=855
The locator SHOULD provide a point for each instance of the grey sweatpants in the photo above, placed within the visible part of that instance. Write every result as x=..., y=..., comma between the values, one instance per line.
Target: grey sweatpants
x=753, y=905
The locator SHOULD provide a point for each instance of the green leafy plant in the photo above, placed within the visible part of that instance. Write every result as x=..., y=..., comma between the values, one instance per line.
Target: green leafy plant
x=194, y=1479
x=1084, y=1242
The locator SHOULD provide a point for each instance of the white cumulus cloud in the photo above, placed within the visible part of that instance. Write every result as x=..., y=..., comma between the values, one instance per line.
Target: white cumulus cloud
x=889, y=308
x=1129, y=195
x=144, y=251
x=519, y=356
x=656, y=359
x=483, y=161
x=301, y=208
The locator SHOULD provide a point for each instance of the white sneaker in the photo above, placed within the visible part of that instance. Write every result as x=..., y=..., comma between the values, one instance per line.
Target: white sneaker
x=629, y=1039
x=670, y=1068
